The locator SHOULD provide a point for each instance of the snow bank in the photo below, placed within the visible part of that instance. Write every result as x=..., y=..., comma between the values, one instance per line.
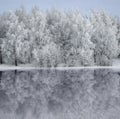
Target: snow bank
x=27, y=67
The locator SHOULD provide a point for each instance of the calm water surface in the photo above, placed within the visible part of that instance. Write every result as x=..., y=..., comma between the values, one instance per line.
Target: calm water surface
x=53, y=94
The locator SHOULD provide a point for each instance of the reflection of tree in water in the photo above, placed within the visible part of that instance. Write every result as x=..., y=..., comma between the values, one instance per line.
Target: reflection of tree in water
x=106, y=92
x=55, y=94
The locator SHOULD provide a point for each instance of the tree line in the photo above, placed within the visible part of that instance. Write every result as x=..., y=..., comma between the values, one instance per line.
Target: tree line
x=56, y=38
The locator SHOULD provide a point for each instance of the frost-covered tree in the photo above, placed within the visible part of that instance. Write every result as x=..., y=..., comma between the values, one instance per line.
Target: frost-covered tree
x=49, y=55
x=58, y=38
x=39, y=34
x=81, y=52
x=3, y=31
x=60, y=29
x=104, y=37
x=14, y=40
x=72, y=32
x=117, y=22
x=23, y=17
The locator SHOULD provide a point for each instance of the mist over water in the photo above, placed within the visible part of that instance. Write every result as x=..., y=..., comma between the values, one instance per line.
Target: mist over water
x=53, y=94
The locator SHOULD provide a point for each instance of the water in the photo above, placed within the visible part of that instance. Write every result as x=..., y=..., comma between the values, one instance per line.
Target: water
x=53, y=94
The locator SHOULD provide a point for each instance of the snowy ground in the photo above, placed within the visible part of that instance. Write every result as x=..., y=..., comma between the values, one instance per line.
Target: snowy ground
x=21, y=67
x=115, y=65
x=9, y=67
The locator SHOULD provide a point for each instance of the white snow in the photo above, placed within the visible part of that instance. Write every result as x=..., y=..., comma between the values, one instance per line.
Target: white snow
x=28, y=67
x=115, y=66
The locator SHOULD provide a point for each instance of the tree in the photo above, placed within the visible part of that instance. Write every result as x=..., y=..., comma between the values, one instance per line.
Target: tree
x=58, y=38
x=116, y=21
x=81, y=52
x=3, y=31
x=14, y=39
x=60, y=29
x=21, y=14
x=49, y=55
x=38, y=32
x=104, y=37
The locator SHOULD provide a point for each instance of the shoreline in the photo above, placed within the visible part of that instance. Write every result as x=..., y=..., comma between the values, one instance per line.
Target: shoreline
x=10, y=67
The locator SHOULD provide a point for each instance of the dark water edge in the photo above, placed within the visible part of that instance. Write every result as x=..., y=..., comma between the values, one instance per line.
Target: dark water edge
x=65, y=94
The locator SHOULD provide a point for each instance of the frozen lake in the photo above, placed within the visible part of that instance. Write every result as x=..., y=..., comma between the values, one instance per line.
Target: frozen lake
x=55, y=94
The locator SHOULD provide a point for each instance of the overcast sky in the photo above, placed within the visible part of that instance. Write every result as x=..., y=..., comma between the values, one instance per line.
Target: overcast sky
x=85, y=6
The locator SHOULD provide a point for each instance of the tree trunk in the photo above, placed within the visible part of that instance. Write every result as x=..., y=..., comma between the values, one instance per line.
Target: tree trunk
x=15, y=55
x=16, y=64
x=1, y=56
x=1, y=52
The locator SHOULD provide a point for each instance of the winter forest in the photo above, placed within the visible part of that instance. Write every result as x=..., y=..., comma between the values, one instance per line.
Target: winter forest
x=54, y=38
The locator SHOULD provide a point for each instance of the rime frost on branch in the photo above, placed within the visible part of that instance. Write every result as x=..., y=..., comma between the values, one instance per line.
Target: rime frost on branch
x=58, y=38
